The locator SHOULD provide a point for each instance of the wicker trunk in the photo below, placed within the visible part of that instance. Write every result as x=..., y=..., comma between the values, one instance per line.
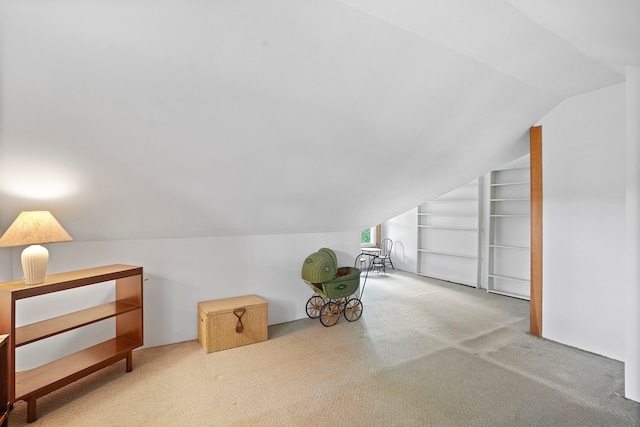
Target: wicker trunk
x=232, y=322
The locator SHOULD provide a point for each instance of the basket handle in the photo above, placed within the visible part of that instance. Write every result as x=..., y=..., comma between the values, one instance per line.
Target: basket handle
x=239, y=312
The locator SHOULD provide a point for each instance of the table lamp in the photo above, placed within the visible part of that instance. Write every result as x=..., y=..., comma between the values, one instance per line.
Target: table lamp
x=34, y=228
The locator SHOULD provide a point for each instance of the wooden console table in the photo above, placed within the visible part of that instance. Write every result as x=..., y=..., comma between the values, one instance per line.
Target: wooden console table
x=4, y=390
x=126, y=309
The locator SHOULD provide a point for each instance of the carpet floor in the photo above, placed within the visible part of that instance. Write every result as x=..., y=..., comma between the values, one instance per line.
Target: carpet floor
x=424, y=353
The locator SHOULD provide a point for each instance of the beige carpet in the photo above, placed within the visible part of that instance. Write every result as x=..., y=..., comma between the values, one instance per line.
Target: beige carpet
x=424, y=353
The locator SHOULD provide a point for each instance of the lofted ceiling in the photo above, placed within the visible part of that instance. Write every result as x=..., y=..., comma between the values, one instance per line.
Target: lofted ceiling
x=166, y=118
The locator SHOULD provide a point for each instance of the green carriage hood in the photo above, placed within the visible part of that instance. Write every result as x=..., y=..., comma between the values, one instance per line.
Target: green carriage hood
x=320, y=266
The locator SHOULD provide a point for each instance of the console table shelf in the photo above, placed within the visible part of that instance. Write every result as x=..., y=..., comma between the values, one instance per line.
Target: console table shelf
x=126, y=309
x=47, y=328
x=46, y=378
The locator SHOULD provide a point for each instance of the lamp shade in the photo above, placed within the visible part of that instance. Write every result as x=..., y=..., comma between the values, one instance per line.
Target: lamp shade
x=34, y=228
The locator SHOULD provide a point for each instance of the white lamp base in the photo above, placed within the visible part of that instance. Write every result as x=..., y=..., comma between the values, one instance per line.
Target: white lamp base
x=34, y=264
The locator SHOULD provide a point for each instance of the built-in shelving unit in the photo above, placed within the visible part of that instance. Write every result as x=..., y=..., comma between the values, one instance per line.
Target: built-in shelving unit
x=509, y=232
x=448, y=236
x=126, y=309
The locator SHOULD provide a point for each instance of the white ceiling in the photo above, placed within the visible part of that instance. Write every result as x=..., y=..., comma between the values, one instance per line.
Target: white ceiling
x=168, y=118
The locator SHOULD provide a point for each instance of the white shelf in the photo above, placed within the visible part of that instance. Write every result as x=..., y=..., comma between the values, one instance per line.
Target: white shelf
x=509, y=200
x=451, y=200
x=442, y=227
x=510, y=294
x=511, y=169
x=449, y=279
x=510, y=216
x=515, y=279
x=448, y=214
x=502, y=184
x=520, y=248
x=429, y=251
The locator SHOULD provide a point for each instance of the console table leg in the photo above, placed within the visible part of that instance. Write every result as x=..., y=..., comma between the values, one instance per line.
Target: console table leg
x=31, y=409
x=130, y=361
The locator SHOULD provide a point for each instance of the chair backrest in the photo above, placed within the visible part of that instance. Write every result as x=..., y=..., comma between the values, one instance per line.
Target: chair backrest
x=385, y=247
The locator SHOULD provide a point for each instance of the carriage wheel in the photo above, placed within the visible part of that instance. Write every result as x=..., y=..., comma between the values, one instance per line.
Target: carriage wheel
x=314, y=305
x=353, y=310
x=330, y=314
x=342, y=302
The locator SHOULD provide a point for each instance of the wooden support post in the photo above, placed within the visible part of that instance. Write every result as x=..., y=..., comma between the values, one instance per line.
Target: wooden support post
x=535, y=307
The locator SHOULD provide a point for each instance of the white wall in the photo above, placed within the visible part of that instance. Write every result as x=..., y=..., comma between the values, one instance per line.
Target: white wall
x=5, y=264
x=583, y=171
x=403, y=230
x=180, y=272
x=591, y=286
x=632, y=353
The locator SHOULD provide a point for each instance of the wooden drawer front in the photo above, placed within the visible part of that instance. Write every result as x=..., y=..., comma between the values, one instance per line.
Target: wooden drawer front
x=217, y=323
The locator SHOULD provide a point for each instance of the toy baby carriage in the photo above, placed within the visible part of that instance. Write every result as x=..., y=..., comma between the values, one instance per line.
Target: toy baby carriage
x=336, y=289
